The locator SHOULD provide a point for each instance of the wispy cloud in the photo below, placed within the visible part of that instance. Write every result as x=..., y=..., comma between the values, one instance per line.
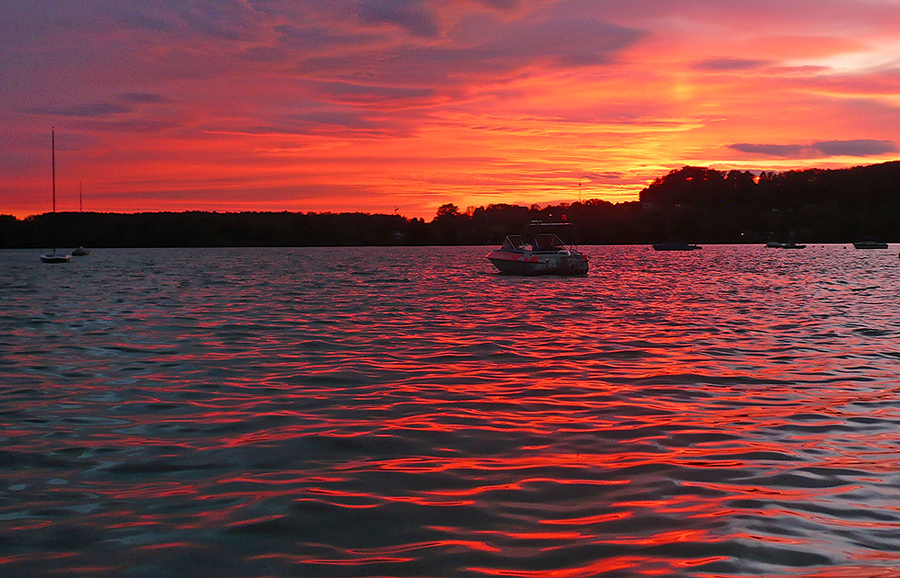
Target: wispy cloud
x=834, y=148
x=408, y=14
x=730, y=64
x=87, y=110
x=856, y=148
x=143, y=97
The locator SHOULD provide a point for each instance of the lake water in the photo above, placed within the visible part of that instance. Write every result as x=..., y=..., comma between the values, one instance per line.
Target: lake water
x=323, y=412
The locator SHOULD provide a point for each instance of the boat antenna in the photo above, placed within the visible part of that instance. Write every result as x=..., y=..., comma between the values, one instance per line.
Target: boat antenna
x=53, y=162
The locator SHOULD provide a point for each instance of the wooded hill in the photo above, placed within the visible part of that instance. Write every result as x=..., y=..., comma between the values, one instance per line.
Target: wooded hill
x=693, y=204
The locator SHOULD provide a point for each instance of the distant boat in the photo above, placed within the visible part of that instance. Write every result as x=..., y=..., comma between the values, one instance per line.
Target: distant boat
x=540, y=250
x=81, y=251
x=675, y=246
x=54, y=257
x=870, y=245
x=777, y=245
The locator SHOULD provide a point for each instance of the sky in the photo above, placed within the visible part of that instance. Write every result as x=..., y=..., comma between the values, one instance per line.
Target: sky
x=401, y=106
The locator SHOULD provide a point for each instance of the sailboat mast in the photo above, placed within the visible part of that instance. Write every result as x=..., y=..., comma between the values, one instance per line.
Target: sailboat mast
x=53, y=163
x=80, y=198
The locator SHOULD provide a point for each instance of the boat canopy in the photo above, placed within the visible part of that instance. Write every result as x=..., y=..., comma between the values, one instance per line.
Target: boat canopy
x=550, y=235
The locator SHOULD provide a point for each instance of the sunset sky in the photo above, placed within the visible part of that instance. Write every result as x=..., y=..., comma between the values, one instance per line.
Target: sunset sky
x=404, y=105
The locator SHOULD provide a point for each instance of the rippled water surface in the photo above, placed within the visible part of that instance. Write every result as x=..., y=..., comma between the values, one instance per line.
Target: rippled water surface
x=322, y=412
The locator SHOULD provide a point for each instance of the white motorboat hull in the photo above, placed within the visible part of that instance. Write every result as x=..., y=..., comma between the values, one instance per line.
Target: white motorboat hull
x=55, y=258
x=528, y=263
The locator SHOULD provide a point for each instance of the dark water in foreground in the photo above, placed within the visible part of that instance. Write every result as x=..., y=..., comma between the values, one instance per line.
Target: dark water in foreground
x=370, y=412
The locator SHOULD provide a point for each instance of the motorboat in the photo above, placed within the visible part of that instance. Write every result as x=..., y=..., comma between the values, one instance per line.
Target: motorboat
x=541, y=250
x=54, y=257
x=788, y=245
x=675, y=246
x=81, y=252
x=870, y=245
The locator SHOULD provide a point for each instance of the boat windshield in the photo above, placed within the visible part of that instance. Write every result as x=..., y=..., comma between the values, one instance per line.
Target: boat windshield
x=513, y=243
x=547, y=242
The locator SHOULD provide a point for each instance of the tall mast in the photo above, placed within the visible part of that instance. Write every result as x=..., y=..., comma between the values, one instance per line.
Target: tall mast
x=80, y=198
x=53, y=163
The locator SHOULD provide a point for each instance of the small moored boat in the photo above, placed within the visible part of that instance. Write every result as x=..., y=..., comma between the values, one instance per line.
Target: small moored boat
x=81, y=252
x=541, y=250
x=54, y=257
x=675, y=246
x=788, y=245
x=870, y=245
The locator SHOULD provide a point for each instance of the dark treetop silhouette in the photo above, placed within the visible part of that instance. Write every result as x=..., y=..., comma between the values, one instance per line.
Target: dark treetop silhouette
x=699, y=204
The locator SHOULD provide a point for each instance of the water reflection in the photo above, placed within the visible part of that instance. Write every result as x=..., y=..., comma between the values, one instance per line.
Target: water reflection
x=326, y=412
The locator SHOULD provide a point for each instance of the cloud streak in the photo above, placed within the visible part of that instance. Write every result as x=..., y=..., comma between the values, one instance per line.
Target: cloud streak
x=856, y=148
x=85, y=110
x=834, y=148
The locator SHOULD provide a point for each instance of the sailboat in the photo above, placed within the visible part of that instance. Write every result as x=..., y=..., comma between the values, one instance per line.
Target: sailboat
x=867, y=242
x=53, y=256
x=672, y=244
x=80, y=251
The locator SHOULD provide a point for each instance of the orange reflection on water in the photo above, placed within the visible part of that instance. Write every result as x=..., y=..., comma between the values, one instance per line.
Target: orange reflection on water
x=587, y=520
x=673, y=537
x=599, y=567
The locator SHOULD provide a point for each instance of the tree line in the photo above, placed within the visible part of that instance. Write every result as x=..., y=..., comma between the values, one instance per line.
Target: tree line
x=692, y=203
